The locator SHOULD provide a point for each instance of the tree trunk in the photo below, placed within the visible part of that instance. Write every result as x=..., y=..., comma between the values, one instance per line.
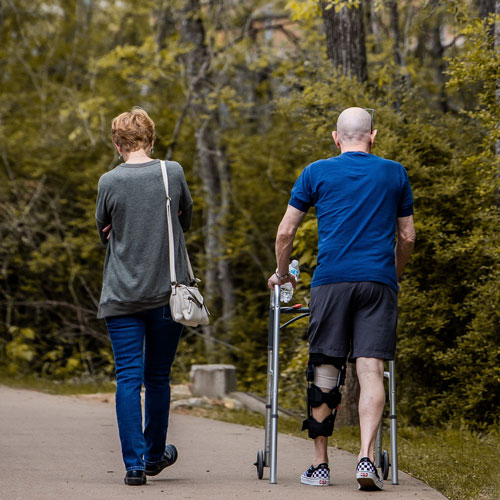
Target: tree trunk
x=485, y=7
x=372, y=25
x=345, y=39
x=497, y=48
x=430, y=49
x=213, y=171
x=398, y=59
x=440, y=65
x=223, y=263
x=393, y=6
x=348, y=411
x=163, y=23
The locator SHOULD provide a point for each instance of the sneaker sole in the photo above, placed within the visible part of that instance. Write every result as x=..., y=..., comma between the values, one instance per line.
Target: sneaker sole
x=314, y=482
x=369, y=481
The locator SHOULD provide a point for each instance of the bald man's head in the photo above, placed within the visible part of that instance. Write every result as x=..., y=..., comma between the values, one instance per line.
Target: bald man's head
x=354, y=126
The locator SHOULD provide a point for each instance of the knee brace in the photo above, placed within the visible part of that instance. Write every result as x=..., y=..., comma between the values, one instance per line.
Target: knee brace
x=316, y=397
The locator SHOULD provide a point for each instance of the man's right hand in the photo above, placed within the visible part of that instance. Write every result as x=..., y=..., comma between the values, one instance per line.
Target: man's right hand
x=274, y=280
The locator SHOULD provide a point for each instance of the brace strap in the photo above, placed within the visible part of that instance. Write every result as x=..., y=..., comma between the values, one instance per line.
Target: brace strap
x=316, y=429
x=316, y=397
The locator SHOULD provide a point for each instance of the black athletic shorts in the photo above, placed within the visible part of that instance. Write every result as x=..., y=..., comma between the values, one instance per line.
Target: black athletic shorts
x=353, y=319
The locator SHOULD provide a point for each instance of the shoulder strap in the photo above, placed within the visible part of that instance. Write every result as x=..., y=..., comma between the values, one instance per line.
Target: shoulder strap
x=171, y=249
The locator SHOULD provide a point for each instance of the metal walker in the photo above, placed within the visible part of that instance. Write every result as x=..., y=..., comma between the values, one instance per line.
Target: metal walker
x=269, y=456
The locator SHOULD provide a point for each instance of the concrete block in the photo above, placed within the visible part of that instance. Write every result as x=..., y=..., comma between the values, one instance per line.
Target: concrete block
x=213, y=381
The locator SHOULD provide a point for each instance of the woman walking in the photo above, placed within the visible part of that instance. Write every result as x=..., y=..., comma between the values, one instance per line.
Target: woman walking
x=131, y=220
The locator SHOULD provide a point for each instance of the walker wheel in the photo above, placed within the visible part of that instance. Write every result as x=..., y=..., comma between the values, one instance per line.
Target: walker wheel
x=385, y=464
x=260, y=464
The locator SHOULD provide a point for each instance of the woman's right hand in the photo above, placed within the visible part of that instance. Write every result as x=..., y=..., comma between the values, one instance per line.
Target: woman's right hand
x=107, y=229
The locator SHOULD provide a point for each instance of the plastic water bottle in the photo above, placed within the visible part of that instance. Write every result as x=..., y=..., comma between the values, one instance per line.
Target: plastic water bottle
x=287, y=288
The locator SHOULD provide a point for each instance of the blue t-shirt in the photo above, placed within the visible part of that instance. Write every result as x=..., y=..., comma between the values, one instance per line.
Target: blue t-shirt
x=358, y=197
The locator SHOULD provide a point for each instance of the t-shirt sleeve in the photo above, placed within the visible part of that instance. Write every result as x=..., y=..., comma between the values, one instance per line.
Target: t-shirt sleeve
x=405, y=207
x=302, y=196
x=185, y=204
x=103, y=218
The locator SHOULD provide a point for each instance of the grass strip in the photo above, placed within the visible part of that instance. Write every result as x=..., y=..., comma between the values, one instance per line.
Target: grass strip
x=61, y=387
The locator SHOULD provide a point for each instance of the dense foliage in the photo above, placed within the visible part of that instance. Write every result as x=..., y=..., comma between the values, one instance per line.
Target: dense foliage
x=70, y=66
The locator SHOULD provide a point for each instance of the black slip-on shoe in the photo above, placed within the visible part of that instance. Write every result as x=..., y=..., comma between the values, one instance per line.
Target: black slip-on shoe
x=367, y=475
x=135, y=478
x=169, y=457
x=316, y=476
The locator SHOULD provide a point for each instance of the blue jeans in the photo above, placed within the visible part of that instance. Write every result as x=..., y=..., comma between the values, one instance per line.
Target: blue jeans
x=144, y=346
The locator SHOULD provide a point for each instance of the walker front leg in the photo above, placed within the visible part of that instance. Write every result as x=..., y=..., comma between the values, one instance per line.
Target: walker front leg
x=275, y=374
x=267, y=435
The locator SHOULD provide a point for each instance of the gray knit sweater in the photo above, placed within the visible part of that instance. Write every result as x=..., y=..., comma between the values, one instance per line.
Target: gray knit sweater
x=136, y=270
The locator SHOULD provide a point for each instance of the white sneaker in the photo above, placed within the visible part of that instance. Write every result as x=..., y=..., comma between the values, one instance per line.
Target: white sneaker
x=316, y=476
x=367, y=475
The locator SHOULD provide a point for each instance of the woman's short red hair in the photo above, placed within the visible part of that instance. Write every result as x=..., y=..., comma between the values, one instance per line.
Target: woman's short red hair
x=133, y=130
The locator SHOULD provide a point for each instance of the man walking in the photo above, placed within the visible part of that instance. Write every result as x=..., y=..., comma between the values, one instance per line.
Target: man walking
x=362, y=202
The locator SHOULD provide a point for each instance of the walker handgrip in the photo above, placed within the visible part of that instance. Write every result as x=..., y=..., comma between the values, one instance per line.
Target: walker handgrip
x=276, y=293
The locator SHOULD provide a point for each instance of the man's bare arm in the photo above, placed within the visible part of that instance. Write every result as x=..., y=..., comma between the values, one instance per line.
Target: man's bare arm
x=284, y=243
x=405, y=242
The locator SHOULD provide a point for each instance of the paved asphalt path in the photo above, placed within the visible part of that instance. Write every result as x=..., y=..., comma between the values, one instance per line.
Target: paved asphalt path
x=67, y=448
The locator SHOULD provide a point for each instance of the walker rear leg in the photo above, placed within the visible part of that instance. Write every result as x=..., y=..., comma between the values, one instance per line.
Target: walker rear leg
x=393, y=422
x=264, y=457
x=382, y=459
